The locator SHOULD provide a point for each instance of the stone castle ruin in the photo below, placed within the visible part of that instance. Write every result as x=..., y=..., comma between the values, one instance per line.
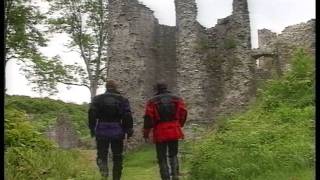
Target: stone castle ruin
x=213, y=69
x=275, y=50
x=64, y=133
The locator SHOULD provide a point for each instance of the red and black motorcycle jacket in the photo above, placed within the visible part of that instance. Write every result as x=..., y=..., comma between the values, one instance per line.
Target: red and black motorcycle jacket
x=166, y=114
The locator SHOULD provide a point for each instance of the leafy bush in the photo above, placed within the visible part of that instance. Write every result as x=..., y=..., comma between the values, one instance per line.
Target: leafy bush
x=43, y=112
x=294, y=89
x=274, y=137
x=29, y=155
x=19, y=132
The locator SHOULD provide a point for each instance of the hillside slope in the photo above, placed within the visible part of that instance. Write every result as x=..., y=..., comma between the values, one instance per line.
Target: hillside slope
x=273, y=140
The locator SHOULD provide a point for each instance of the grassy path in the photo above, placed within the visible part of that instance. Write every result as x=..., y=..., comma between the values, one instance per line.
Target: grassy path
x=140, y=164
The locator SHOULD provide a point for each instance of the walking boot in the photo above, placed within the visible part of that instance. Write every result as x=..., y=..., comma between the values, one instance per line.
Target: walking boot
x=174, y=165
x=103, y=168
x=164, y=170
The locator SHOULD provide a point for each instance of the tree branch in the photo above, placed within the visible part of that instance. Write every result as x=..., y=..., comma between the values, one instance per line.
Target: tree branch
x=73, y=84
x=102, y=69
x=7, y=5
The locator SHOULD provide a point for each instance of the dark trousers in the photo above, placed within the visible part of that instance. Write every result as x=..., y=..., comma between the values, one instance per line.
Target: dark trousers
x=102, y=156
x=165, y=150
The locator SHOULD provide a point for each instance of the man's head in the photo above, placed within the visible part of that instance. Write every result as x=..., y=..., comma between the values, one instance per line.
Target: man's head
x=160, y=86
x=111, y=85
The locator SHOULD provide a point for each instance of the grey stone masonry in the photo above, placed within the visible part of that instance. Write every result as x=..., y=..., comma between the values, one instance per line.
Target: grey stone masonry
x=212, y=69
x=282, y=46
x=64, y=133
x=130, y=50
x=190, y=67
x=266, y=38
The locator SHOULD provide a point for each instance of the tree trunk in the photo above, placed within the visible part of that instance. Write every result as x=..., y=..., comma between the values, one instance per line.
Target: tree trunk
x=93, y=89
x=7, y=7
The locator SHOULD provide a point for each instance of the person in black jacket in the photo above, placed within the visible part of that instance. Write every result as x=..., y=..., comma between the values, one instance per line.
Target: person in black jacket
x=110, y=120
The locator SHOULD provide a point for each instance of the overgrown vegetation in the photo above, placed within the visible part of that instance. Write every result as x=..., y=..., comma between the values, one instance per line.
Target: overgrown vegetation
x=44, y=112
x=273, y=140
x=142, y=164
x=29, y=155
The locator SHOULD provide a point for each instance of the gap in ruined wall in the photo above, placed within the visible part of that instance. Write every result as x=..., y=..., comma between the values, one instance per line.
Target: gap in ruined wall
x=164, y=10
x=209, y=11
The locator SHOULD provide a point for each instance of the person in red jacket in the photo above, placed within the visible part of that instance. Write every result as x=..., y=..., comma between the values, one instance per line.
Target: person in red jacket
x=165, y=115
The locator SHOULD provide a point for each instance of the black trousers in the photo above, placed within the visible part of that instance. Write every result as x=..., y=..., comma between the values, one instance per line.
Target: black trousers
x=103, y=145
x=165, y=150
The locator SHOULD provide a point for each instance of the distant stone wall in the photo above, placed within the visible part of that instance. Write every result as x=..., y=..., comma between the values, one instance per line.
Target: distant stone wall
x=296, y=36
x=266, y=38
x=281, y=47
x=63, y=133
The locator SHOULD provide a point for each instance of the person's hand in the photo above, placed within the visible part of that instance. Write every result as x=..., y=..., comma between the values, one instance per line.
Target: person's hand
x=129, y=133
x=146, y=138
x=93, y=134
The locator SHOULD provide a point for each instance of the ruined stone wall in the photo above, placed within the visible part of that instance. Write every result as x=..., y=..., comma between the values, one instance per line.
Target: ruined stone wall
x=210, y=68
x=266, y=38
x=64, y=133
x=165, y=51
x=242, y=83
x=130, y=50
x=284, y=44
x=296, y=36
x=140, y=52
x=191, y=68
x=265, y=64
x=229, y=65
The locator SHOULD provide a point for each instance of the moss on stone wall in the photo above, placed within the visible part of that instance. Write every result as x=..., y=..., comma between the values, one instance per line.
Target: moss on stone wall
x=229, y=43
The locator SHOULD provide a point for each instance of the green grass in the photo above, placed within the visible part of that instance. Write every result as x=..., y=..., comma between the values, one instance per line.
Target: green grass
x=142, y=164
x=295, y=174
x=43, y=112
x=23, y=163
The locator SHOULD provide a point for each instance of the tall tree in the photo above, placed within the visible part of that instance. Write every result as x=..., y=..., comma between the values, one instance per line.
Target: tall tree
x=86, y=23
x=24, y=36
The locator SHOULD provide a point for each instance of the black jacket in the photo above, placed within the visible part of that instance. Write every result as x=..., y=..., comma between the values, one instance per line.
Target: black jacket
x=110, y=107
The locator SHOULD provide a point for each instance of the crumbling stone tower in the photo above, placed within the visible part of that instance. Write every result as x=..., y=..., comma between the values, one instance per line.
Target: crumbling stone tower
x=190, y=66
x=210, y=68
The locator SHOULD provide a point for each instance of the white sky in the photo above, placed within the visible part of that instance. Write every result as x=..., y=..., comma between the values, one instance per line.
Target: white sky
x=271, y=14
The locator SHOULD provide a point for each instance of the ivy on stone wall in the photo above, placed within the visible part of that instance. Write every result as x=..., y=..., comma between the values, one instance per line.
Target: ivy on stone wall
x=230, y=43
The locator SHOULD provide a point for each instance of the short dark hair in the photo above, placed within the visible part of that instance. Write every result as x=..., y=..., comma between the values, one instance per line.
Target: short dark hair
x=160, y=86
x=111, y=84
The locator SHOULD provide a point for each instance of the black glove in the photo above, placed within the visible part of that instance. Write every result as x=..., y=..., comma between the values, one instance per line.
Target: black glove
x=129, y=133
x=92, y=133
